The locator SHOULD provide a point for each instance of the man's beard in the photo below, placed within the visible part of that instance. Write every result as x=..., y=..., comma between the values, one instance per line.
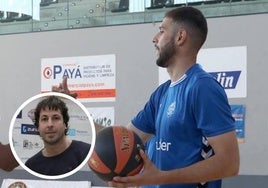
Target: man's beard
x=166, y=54
x=54, y=140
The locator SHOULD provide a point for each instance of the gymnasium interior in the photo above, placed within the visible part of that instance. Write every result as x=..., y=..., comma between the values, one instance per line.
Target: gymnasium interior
x=34, y=30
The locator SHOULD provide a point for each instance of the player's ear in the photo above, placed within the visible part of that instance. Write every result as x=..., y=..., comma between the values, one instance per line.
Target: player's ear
x=66, y=128
x=181, y=36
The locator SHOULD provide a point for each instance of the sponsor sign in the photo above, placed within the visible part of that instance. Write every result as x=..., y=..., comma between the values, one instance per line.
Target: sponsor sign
x=91, y=77
x=227, y=65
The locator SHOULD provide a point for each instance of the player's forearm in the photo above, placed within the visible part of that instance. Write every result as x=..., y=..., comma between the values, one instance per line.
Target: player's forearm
x=143, y=136
x=203, y=171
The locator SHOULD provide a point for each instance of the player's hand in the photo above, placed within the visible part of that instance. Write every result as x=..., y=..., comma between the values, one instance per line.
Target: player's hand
x=7, y=160
x=63, y=88
x=150, y=175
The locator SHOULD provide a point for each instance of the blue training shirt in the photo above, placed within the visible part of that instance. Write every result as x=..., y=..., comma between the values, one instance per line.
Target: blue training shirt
x=179, y=114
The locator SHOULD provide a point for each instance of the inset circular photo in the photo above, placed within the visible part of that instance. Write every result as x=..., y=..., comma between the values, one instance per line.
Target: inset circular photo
x=52, y=135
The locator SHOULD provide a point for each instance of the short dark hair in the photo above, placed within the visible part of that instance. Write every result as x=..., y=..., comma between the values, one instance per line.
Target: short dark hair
x=52, y=103
x=192, y=19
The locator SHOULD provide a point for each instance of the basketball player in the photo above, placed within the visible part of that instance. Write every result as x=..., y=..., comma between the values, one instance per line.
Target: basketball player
x=186, y=114
x=60, y=155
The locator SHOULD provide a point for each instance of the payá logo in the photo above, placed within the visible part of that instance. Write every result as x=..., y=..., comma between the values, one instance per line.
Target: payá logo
x=228, y=79
x=60, y=71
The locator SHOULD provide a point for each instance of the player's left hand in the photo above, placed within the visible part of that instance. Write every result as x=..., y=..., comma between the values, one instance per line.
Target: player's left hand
x=148, y=176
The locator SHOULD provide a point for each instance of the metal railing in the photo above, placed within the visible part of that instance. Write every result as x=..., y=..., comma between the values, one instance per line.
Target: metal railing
x=45, y=15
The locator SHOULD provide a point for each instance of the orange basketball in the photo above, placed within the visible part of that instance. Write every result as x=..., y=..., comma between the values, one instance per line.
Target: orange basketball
x=116, y=153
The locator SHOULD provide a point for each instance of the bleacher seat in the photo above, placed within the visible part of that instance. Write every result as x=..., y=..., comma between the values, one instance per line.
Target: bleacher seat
x=8, y=17
x=47, y=2
x=122, y=7
x=157, y=4
x=13, y=16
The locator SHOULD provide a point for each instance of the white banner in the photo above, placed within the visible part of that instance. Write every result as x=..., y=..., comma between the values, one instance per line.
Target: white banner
x=91, y=77
x=23, y=183
x=102, y=115
x=228, y=66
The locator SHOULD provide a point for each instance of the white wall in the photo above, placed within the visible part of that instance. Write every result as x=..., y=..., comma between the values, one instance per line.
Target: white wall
x=137, y=74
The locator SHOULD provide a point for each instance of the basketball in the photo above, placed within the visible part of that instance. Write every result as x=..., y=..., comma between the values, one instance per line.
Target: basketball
x=116, y=153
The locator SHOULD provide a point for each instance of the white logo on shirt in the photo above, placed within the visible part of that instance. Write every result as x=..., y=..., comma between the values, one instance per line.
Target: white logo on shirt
x=171, y=109
x=163, y=146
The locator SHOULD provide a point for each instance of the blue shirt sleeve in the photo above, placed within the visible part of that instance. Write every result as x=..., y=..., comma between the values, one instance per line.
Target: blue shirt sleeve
x=211, y=109
x=145, y=119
